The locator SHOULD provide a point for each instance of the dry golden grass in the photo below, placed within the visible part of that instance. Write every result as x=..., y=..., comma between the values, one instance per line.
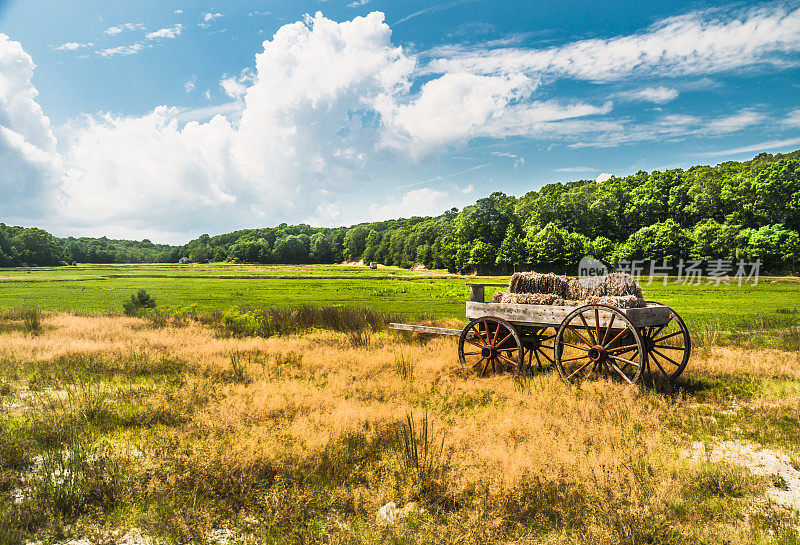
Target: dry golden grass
x=302, y=397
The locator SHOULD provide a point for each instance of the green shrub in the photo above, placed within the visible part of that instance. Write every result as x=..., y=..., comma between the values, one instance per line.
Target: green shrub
x=138, y=302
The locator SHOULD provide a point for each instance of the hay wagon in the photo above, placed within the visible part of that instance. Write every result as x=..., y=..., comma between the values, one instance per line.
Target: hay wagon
x=579, y=341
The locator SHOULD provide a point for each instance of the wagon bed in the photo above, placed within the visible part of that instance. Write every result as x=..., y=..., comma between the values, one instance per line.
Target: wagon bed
x=579, y=341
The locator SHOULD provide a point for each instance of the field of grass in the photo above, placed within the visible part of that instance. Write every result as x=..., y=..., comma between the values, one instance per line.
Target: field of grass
x=773, y=303
x=117, y=429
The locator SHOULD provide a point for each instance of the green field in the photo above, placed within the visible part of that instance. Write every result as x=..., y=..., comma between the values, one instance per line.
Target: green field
x=774, y=302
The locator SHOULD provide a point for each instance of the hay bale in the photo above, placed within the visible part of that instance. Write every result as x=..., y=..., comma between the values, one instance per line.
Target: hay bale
x=616, y=289
x=533, y=282
x=527, y=298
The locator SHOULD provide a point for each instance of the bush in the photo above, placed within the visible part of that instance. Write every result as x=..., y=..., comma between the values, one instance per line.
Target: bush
x=138, y=302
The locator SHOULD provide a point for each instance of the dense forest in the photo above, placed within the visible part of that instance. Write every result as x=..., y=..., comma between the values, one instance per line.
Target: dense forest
x=735, y=210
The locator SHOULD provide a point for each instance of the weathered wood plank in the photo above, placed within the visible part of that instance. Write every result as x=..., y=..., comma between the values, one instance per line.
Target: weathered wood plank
x=476, y=290
x=554, y=315
x=427, y=329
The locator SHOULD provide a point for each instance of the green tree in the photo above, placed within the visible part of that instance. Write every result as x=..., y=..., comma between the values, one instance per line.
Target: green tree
x=512, y=249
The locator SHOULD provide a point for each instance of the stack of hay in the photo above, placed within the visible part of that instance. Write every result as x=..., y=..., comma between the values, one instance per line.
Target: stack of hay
x=616, y=289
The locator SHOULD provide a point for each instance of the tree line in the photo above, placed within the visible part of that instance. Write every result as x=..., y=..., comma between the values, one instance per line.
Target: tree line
x=736, y=210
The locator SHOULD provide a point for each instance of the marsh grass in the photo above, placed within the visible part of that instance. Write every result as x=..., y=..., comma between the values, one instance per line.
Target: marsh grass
x=27, y=319
x=178, y=430
x=287, y=320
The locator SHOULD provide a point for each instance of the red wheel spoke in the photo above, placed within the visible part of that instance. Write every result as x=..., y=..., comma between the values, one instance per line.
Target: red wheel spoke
x=545, y=355
x=475, y=344
x=673, y=362
x=605, y=335
x=623, y=359
x=485, y=365
x=626, y=348
x=619, y=371
x=596, y=326
x=579, y=369
x=477, y=363
x=575, y=346
x=478, y=335
x=473, y=353
x=579, y=335
x=504, y=340
x=617, y=337
x=512, y=362
x=573, y=359
x=538, y=361
x=496, y=332
x=587, y=329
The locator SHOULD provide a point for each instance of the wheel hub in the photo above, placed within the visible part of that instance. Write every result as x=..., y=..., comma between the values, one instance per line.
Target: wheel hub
x=487, y=352
x=598, y=354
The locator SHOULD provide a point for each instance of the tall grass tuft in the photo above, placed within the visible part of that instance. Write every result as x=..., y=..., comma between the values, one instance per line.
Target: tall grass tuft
x=421, y=454
x=239, y=367
x=404, y=367
x=31, y=320
x=27, y=319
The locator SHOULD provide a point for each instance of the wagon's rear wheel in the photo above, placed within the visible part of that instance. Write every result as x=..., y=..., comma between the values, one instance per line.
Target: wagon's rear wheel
x=490, y=346
x=598, y=341
x=668, y=346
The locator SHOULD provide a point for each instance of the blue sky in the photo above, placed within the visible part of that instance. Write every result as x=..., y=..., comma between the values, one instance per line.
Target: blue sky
x=165, y=120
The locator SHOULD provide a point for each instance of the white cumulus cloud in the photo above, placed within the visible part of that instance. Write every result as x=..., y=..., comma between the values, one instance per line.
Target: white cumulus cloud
x=131, y=49
x=72, y=46
x=29, y=165
x=114, y=30
x=165, y=33
x=604, y=177
x=658, y=95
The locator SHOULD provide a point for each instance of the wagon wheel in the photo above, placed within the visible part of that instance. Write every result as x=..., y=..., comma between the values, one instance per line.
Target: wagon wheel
x=490, y=346
x=669, y=345
x=539, y=345
x=610, y=347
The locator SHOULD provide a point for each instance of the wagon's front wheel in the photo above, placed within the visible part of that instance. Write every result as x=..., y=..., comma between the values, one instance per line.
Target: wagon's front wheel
x=490, y=346
x=598, y=341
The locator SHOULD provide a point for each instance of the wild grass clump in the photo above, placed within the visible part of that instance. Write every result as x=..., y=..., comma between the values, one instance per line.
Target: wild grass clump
x=289, y=320
x=403, y=366
x=239, y=366
x=421, y=454
x=721, y=480
x=27, y=319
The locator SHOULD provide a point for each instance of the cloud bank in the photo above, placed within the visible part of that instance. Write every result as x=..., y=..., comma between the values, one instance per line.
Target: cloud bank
x=330, y=105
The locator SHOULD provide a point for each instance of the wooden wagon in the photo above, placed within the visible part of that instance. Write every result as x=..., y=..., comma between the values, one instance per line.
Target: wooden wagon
x=580, y=342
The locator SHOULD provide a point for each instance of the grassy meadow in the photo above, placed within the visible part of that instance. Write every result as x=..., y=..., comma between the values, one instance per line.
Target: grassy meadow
x=178, y=426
